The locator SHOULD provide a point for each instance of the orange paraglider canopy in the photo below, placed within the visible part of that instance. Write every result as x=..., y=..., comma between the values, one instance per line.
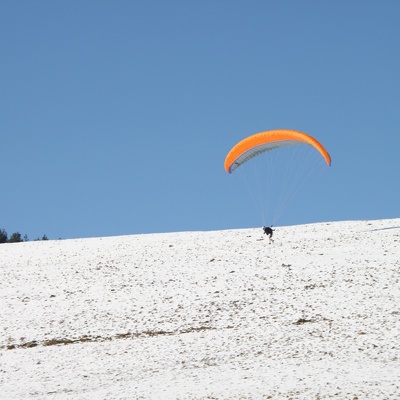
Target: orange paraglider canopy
x=266, y=141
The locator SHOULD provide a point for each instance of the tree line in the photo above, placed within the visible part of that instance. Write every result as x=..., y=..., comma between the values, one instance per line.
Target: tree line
x=16, y=237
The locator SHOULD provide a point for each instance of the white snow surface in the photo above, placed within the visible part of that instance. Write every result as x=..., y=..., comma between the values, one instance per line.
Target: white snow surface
x=204, y=315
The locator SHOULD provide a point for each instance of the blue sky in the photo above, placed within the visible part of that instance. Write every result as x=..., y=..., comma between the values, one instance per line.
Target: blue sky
x=116, y=117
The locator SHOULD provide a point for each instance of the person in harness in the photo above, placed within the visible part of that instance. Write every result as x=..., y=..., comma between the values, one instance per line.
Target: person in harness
x=269, y=232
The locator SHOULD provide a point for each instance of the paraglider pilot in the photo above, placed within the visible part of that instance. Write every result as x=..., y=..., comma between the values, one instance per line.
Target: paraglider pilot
x=269, y=232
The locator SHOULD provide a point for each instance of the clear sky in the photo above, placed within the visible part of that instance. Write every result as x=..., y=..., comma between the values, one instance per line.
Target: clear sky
x=116, y=116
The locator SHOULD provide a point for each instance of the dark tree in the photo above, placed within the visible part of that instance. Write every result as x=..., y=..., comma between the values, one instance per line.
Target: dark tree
x=15, y=238
x=3, y=236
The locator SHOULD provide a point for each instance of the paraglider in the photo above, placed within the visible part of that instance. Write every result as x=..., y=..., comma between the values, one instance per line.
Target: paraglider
x=261, y=142
x=280, y=172
x=269, y=232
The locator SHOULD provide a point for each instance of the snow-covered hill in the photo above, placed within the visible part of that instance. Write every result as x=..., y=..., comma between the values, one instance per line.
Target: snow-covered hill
x=204, y=315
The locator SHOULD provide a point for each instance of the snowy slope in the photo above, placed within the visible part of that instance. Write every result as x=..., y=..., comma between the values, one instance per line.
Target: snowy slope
x=204, y=315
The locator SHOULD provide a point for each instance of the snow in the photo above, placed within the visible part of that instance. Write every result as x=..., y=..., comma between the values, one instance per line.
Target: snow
x=204, y=315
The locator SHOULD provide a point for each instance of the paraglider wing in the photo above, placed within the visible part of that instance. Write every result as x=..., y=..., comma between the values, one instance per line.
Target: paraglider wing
x=269, y=140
